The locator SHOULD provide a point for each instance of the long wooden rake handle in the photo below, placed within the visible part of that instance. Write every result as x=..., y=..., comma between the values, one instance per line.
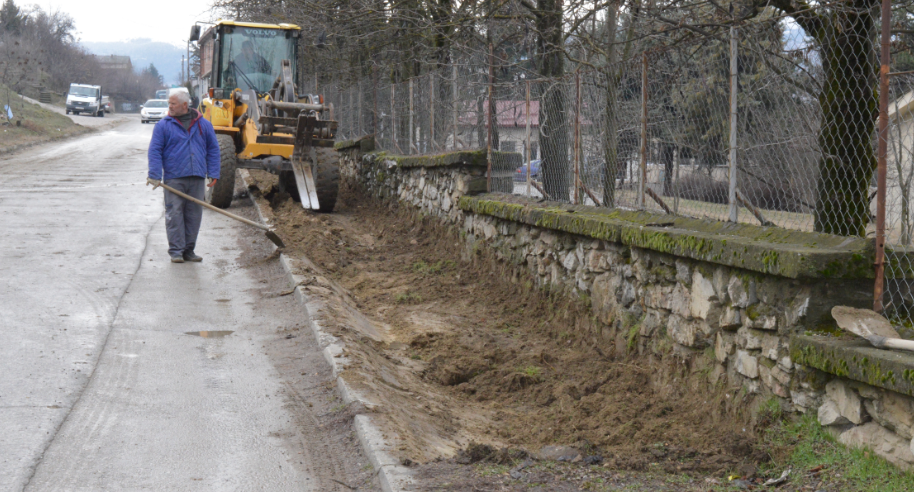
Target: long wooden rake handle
x=207, y=205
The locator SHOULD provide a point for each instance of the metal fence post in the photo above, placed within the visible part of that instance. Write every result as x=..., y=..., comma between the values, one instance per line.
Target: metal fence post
x=412, y=132
x=882, y=150
x=577, y=139
x=734, y=88
x=642, y=181
x=527, y=147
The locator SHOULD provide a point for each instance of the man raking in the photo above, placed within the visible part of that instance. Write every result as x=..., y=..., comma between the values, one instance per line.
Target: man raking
x=185, y=149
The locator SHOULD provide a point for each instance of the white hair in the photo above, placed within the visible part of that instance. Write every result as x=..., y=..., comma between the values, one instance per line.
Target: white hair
x=182, y=96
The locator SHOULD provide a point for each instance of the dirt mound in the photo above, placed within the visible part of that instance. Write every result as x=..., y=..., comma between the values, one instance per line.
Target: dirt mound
x=468, y=350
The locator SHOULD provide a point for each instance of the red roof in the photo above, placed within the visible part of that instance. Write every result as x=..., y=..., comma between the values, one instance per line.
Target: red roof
x=508, y=113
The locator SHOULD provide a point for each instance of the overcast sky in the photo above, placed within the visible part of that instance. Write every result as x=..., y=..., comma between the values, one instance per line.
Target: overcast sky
x=119, y=20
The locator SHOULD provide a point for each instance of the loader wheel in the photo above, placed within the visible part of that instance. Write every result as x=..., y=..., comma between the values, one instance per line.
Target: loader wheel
x=327, y=178
x=221, y=194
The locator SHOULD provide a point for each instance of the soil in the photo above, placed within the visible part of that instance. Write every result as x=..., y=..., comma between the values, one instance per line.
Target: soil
x=455, y=349
x=323, y=436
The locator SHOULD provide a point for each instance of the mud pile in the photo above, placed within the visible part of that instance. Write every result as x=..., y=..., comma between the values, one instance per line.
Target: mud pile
x=458, y=348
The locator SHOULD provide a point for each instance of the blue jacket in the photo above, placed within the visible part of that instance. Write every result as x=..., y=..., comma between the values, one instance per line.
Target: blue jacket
x=183, y=153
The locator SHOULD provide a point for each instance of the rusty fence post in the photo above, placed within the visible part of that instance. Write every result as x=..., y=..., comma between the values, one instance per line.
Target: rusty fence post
x=879, y=288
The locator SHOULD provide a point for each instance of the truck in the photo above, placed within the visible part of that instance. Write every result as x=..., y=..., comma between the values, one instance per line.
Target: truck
x=85, y=98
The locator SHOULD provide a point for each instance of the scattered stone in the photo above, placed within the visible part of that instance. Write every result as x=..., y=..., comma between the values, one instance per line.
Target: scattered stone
x=593, y=460
x=556, y=453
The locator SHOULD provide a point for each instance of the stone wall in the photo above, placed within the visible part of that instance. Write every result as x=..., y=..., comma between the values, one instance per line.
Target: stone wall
x=746, y=297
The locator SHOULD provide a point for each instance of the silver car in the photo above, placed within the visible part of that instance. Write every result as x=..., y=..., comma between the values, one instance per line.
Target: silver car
x=153, y=110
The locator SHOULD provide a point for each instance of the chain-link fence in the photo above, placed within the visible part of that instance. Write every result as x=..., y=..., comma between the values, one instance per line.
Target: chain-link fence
x=771, y=122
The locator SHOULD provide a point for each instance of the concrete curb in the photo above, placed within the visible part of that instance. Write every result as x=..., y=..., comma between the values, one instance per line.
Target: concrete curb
x=393, y=476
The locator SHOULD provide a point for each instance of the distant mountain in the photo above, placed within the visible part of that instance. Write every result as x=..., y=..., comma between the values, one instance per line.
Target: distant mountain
x=166, y=57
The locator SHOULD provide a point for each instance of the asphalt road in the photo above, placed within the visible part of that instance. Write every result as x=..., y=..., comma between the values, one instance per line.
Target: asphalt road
x=113, y=373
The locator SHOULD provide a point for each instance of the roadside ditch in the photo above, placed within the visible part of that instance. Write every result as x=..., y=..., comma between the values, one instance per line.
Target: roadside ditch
x=464, y=361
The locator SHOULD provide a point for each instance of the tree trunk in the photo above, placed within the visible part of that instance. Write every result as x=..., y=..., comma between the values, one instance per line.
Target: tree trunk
x=849, y=104
x=611, y=141
x=553, y=128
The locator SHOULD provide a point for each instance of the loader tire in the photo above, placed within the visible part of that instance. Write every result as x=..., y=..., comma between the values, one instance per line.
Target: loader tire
x=220, y=195
x=327, y=178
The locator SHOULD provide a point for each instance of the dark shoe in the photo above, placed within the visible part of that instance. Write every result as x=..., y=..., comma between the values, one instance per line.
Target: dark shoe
x=177, y=259
x=192, y=257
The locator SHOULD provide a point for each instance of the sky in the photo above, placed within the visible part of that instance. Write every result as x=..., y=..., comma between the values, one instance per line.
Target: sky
x=120, y=20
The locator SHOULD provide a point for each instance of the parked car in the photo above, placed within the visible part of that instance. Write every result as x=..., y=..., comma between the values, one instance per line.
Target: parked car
x=153, y=110
x=521, y=174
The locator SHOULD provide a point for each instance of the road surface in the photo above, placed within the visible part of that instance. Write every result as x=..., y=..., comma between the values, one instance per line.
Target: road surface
x=122, y=371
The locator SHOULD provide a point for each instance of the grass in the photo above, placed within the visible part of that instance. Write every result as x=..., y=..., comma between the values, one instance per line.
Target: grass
x=532, y=371
x=803, y=445
x=408, y=298
x=36, y=124
x=492, y=470
x=423, y=268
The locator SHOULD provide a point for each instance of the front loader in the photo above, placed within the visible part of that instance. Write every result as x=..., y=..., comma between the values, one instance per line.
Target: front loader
x=261, y=120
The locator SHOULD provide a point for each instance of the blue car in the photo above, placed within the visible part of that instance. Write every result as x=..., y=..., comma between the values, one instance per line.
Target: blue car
x=521, y=174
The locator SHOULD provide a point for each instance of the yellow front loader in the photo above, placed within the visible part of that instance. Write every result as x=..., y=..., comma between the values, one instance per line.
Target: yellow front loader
x=261, y=120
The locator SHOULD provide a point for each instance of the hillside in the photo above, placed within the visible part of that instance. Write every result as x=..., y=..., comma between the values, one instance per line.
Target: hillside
x=37, y=123
x=166, y=57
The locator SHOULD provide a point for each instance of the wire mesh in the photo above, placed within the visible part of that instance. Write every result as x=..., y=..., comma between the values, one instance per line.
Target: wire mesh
x=772, y=122
x=899, y=288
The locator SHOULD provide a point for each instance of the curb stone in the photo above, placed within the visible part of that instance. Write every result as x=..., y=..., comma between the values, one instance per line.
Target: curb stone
x=392, y=475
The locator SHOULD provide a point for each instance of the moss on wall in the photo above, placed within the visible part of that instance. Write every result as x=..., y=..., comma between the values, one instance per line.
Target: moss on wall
x=792, y=254
x=855, y=360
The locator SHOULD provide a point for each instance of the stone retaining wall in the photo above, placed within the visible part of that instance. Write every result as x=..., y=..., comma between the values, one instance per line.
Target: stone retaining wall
x=746, y=297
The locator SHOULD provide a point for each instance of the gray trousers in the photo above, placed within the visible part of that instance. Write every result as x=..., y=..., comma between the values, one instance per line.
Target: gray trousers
x=183, y=217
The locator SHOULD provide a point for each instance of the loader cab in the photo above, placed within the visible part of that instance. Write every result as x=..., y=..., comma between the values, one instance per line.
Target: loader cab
x=248, y=56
